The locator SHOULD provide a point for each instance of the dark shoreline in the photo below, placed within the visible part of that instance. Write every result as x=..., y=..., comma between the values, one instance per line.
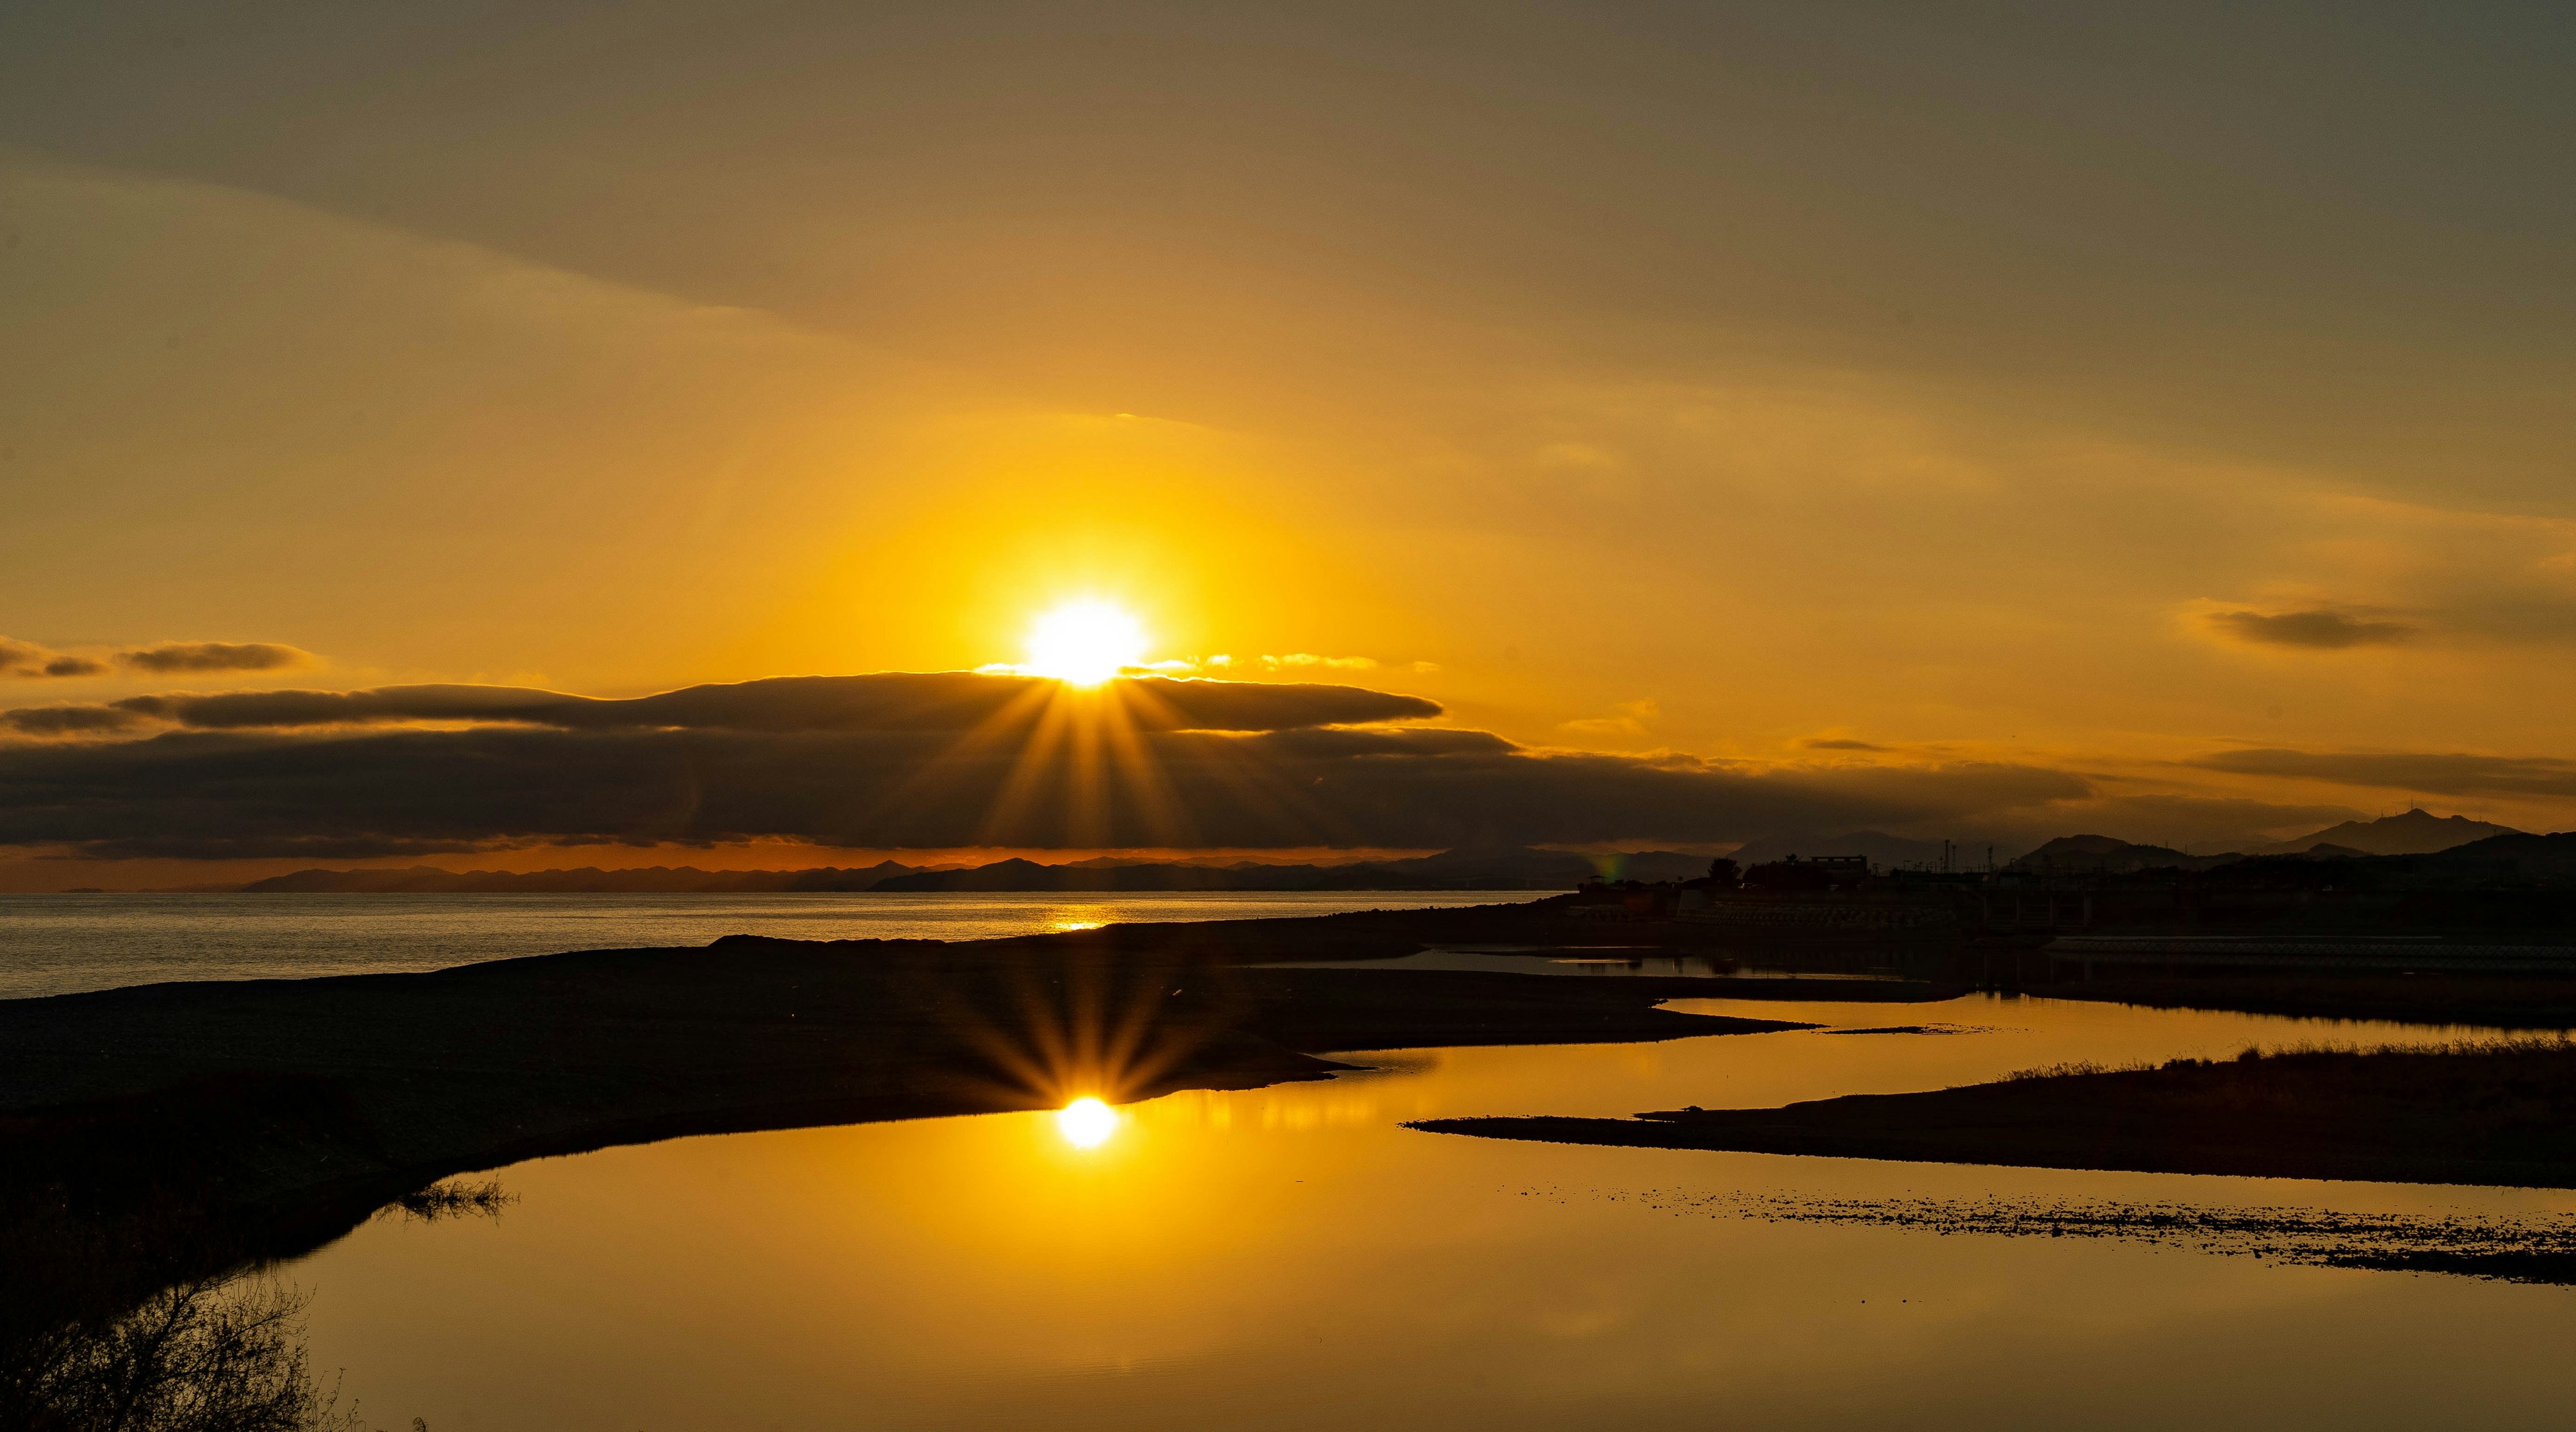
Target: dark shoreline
x=2502, y=1115
x=223, y=1121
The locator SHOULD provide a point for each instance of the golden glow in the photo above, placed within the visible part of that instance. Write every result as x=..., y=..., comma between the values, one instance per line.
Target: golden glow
x=1085, y=643
x=1086, y=1123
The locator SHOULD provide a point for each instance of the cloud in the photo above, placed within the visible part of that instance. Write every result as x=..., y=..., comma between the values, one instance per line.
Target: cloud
x=2318, y=630
x=2430, y=773
x=266, y=847
x=26, y=659
x=922, y=761
x=180, y=656
x=69, y=720
x=938, y=701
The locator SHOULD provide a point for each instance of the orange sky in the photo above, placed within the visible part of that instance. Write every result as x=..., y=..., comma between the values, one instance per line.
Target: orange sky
x=2107, y=394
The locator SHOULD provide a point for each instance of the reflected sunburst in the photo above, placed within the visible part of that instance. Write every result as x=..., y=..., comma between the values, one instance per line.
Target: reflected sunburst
x=1086, y=1123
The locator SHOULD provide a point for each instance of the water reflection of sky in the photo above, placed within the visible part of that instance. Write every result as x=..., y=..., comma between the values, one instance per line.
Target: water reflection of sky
x=1290, y=1257
x=58, y=944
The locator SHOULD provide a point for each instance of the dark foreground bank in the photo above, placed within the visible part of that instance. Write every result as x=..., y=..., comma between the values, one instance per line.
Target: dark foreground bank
x=2493, y=1114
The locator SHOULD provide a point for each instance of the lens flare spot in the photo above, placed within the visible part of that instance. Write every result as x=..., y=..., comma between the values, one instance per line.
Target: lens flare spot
x=1085, y=643
x=1086, y=1123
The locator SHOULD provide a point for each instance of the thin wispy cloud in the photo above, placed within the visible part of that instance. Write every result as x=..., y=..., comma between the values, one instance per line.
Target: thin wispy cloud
x=2317, y=630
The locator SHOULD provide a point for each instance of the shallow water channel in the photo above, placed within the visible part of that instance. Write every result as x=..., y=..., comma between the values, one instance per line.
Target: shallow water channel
x=1292, y=1257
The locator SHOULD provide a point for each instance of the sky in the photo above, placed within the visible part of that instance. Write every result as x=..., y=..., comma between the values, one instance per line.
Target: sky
x=2002, y=420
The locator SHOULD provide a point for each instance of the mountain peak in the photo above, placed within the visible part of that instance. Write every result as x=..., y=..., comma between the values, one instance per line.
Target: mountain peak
x=2416, y=832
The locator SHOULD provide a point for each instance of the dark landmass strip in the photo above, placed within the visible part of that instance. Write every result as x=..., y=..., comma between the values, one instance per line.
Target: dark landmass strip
x=2508, y=1249
x=2503, y=1114
x=241, y=1118
x=1512, y=868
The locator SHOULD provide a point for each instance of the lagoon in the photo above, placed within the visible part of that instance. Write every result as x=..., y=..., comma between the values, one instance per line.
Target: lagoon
x=1294, y=1257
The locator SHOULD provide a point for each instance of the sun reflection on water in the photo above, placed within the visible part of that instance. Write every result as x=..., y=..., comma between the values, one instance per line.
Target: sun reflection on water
x=1086, y=1123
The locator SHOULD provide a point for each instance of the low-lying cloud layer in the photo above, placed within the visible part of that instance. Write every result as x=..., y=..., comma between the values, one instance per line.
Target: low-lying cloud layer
x=179, y=656
x=2320, y=630
x=26, y=659
x=892, y=761
x=937, y=701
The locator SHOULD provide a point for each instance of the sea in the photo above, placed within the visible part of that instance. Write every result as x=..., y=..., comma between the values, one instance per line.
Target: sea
x=1297, y=1257
x=63, y=944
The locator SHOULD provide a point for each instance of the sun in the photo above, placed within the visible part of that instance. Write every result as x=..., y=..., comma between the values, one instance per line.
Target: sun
x=1086, y=1123
x=1085, y=643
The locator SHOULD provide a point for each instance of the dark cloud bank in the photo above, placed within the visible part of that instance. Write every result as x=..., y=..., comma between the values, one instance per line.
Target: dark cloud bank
x=923, y=761
x=2316, y=630
x=26, y=659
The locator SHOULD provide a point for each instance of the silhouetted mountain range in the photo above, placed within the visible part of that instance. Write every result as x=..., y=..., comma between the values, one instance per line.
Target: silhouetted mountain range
x=2414, y=833
x=1506, y=868
x=1509, y=868
x=2112, y=855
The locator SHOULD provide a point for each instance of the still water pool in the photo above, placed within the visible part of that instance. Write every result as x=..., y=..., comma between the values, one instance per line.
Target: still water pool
x=1293, y=1257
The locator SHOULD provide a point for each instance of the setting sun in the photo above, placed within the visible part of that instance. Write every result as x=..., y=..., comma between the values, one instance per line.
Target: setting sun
x=1085, y=643
x=1086, y=1123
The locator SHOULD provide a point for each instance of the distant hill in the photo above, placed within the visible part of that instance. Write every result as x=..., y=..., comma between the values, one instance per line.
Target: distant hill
x=2535, y=857
x=2414, y=833
x=2538, y=857
x=2111, y=855
x=1510, y=868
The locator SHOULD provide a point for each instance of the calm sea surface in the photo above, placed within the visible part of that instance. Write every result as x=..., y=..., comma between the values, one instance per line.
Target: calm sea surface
x=57, y=944
x=1293, y=1258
